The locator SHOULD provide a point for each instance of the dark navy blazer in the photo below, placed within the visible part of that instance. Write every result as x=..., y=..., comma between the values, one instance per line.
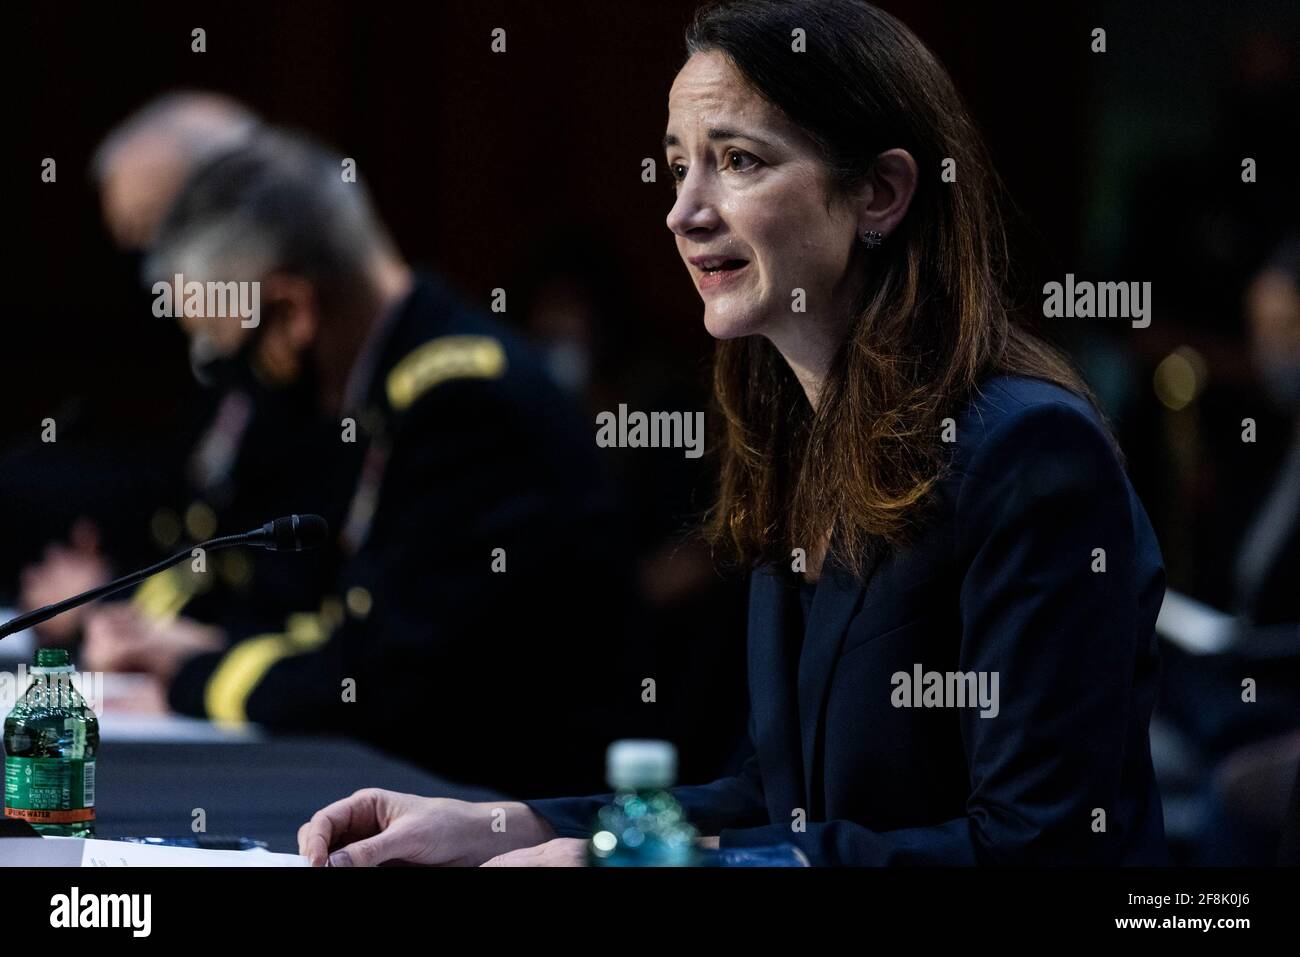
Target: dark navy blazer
x=1006, y=578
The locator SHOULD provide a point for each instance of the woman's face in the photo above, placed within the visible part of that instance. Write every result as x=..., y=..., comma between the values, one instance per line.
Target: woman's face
x=755, y=217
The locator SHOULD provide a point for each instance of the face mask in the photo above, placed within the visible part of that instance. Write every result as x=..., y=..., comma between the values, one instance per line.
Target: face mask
x=1281, y=380
x=216, y=370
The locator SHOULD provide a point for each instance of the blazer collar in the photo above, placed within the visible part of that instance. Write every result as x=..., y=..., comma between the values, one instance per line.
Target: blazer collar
x=776, y=734
x=838, y=596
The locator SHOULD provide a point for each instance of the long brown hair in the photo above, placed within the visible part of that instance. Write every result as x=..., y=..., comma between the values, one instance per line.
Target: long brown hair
x=935, y=317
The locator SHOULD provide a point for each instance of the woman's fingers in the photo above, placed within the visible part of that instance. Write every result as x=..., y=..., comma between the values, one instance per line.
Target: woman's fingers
x=372, y=851
x=374, y=827
x=356, y=816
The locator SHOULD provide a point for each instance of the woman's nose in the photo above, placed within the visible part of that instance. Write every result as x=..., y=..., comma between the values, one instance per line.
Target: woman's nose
x=693, y=210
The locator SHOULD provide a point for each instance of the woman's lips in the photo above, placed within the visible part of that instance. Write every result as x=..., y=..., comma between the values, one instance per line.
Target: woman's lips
x=712, y=279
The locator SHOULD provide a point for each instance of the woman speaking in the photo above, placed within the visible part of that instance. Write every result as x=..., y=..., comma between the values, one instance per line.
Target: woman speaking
x=954, y=588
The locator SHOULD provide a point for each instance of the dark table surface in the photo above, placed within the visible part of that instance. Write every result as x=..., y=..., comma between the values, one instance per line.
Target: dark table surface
x=263, y=790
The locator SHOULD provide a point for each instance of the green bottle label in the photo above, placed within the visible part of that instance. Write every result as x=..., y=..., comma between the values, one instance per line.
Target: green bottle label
x=50, y=790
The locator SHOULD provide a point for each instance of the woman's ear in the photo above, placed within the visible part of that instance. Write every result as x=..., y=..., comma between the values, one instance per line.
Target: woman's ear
x=887, y=193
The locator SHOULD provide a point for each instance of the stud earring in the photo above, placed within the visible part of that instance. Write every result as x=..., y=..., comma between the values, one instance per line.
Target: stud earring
x=872, y=238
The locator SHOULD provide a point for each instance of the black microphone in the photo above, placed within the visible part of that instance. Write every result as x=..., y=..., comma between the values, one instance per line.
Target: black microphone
x=293, y=533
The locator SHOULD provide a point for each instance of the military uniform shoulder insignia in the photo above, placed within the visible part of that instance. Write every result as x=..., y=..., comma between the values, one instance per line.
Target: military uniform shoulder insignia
x=441, y=359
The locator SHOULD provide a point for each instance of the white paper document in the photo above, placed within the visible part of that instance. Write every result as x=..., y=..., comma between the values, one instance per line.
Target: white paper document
x=90, y=852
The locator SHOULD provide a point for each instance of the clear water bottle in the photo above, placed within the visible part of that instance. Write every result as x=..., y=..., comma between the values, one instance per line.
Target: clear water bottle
x=51, y=738
x=644, y=826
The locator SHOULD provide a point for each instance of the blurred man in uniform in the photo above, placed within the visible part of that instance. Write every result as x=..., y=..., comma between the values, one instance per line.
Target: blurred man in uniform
x=119, y=504
x=240, y=440
x=478, y=603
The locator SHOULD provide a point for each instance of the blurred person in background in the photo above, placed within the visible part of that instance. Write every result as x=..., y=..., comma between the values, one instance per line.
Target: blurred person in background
x=142, y=163
x=244, y=438
x=480, y=590
x=1200, y=257
x=1268, y=560
x=122, y=505
x=1237, y=754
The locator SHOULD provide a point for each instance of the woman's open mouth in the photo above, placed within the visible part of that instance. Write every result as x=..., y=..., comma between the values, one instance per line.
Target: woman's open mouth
x=718, y=271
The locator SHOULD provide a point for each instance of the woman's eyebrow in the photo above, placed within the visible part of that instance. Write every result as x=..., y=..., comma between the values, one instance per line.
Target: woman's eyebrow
x=718, y=133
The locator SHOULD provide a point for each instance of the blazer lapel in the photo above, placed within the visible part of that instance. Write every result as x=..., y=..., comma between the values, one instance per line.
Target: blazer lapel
x=771, y=684
x=838, y=596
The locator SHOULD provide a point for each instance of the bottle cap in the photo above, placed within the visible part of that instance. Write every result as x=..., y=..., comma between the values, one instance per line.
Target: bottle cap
x=52, y=657
x=640, y=764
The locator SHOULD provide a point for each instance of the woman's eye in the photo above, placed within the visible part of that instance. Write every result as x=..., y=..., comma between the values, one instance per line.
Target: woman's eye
x=678, y=171
x=738, y=161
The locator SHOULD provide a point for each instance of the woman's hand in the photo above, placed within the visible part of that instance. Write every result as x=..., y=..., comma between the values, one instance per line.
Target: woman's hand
x=375, y=827
x=561, y=852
